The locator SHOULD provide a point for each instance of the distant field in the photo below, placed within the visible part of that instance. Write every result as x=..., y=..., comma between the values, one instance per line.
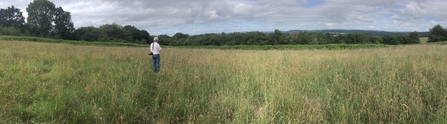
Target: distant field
x=423, y=39
x=64, y=83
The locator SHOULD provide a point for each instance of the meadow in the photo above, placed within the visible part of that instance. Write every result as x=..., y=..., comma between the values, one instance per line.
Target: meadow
x=66, y=83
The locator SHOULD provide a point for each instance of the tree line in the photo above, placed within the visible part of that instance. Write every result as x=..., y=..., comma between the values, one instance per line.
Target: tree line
x=47, y=20
x=279, y=38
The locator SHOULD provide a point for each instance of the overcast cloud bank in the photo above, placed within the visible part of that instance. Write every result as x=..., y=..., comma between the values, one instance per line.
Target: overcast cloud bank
x=215, y=16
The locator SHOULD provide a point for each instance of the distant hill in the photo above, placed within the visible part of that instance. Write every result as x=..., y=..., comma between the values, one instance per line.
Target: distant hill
x=344, y=31
x=368, y=32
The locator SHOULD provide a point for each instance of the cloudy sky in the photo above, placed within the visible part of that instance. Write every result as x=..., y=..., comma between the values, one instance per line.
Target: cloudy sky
x=216, y=16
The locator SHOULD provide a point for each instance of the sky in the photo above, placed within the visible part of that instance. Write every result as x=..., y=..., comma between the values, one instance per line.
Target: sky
x=193, y=17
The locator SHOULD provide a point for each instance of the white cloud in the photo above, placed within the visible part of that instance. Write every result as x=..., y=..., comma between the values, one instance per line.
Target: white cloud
x=215, y=16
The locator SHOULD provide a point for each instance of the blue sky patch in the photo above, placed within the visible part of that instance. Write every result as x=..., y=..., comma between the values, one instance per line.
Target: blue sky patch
x=312, y=3
x=398, y=6
x=430, y=19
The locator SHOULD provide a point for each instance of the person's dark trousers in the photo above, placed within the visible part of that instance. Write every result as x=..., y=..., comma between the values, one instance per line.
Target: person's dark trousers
x=156, y=59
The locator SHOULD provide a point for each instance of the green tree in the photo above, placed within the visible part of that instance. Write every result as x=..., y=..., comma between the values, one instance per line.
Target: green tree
x=44, y=19
x=293, y=37
x=275, y=38
x=164, y=39
x=340, y=38
x=114, y=32
x=373, y=39
x=224, y=38
x=286, y=38
x=11, y=17
x=414, y=37
x=437, y=33
x=40, y=17
x=214, y=39
x=356, y=38
x=89, y=33
x=9, y=31
x=392, y=40
x=63, y=25
x=329, y=38
x=138, y=36
x=179, y=35
x=320, y=38
x=237, y=38
x=305, y=38
x=257, y=38
x=146, y=36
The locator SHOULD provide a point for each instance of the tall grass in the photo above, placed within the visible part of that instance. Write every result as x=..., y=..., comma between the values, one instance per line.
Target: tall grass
x=293, y=47
x=62, y=83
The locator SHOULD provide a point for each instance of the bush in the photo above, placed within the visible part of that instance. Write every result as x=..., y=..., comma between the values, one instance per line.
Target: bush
x=10, y=31
x=437, y=33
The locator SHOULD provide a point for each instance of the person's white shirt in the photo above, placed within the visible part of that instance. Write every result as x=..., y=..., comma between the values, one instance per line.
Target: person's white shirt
x=155, y=49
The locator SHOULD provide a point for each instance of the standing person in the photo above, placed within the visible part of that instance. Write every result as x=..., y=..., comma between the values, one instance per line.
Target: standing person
x=155, y=49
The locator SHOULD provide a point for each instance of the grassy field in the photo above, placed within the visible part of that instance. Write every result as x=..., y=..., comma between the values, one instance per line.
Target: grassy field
x=64, y=83
x=423, y=39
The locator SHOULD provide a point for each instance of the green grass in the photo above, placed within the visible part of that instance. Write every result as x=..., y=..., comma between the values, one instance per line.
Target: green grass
x=292, y=47
x=441, y=43
x=64, y=83
x=53, y=40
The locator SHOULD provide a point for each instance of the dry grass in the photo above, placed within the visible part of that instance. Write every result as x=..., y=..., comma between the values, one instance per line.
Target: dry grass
x=45, y=83
x=423, y=39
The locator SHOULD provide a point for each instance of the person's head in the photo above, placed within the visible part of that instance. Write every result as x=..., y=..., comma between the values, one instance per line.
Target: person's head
x=155, y=39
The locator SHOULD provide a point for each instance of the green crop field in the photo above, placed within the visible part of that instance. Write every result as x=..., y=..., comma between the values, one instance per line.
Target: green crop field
x=65, y=83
